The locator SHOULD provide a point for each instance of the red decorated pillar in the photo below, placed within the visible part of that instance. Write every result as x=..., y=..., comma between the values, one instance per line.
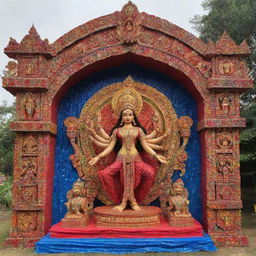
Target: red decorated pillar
x=35, y=139
x=220, y=142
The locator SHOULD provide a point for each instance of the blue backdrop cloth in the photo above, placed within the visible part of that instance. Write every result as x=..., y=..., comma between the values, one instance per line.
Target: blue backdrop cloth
x=124, y=245
x=77, y=96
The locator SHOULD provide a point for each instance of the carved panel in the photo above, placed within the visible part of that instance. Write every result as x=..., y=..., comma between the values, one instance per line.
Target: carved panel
x=26, y=221
x=28, y=193
x=227, y=191
x=228, y=220
x=225, y=104
x=224, y=164
x=30, y=106
x=28, y=67
x=29, y=145
x=28, y=168
x=224, y=140
x=225, y=66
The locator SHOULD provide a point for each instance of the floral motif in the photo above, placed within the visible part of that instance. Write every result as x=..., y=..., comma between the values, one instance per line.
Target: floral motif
x=27, y=221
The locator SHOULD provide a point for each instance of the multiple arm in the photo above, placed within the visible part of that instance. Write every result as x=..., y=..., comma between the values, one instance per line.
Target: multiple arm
x=108, y=148
x=148, y=142
x=153, y=141
x=101, y=139
x=152, y=135
x=149, y=147
x=156, y=140
x=157, y=147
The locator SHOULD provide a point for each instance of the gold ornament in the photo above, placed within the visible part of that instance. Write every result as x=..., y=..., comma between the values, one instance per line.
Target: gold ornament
x=127, y=97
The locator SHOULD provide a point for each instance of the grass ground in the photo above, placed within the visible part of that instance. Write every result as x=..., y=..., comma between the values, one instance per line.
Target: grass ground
x=248, y=229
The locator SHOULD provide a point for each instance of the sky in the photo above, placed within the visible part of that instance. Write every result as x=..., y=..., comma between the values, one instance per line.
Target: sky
x=53, y=18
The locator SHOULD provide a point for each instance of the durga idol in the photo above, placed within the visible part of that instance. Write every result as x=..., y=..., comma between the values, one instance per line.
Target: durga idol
x=128, y=179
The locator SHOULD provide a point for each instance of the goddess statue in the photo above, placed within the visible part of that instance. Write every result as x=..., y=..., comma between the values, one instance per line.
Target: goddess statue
x=128, y=179
x=128, y=141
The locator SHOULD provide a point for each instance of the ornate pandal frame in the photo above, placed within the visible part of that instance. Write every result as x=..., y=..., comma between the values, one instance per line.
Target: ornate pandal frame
x=77, y=131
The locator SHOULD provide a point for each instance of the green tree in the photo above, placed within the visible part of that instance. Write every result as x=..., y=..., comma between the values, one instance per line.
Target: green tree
x=7, y=114
x=238, y=19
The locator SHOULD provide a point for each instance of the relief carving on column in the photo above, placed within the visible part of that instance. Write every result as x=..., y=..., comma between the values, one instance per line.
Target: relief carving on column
x=28, y=168
x=27, y=187
x=28, y=67
x=28, y=194
x=29, y=106
x=227, y=191
x=224, y=140
x=225, y=67
x=224, y=164
x=29, y=145
x=26, y=221
x=205, y=68
x=225, y=104
x=227, y=220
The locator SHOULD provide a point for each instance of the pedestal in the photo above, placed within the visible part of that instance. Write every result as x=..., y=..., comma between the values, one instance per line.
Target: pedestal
x=149, y=216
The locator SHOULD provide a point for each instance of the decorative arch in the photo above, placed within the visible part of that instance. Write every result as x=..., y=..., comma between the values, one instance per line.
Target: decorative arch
x=215, y=74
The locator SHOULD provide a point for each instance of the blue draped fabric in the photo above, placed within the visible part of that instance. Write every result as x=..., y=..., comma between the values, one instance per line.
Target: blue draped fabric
x=124, y=245
x=77, y=96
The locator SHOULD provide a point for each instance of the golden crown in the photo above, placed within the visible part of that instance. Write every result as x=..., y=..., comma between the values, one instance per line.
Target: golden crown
x=127, y=97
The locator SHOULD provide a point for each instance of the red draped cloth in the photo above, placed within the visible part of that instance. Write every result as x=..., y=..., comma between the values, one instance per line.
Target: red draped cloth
x=112, y=178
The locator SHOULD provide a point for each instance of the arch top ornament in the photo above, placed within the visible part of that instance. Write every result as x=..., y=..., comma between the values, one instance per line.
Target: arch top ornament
x=43, y=66
x=128, y=24
x=143, y=38
x=47, y=67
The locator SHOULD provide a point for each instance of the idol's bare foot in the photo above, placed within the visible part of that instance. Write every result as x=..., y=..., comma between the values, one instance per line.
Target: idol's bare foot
x=135, y=206
x=120, y=207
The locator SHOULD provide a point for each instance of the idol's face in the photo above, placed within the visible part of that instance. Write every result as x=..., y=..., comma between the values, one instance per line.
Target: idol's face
x=127, y=116
x=178, y=191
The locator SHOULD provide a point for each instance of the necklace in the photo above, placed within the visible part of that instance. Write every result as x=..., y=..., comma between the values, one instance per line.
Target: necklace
x=128, y=132
x=128, y=139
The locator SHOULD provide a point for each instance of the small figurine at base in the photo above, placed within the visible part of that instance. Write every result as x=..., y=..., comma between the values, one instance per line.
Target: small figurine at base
x=178, y=214
x=77, y=206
